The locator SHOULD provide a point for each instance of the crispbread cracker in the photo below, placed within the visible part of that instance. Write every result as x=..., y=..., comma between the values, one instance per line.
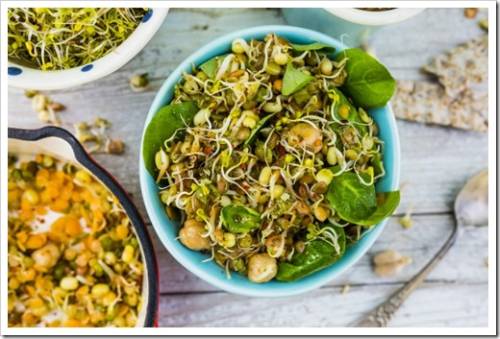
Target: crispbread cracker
x=428, y=103
x=462, y=66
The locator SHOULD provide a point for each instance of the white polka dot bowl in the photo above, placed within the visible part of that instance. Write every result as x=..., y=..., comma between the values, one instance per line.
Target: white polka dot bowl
x=30, y=78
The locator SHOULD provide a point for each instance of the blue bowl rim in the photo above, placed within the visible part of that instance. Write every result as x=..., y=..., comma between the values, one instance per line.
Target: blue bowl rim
x=259, y=290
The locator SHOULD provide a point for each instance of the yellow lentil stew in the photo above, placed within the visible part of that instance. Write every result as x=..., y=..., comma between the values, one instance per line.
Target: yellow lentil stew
x=74, y=259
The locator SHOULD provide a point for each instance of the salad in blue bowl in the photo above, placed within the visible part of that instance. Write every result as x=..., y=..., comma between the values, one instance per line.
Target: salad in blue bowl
x=270, y=160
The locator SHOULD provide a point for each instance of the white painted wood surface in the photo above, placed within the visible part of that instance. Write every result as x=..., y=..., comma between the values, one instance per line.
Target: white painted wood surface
x=435, y=163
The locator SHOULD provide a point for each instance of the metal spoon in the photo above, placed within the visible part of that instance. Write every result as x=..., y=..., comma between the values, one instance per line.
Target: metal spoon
x=471, y=208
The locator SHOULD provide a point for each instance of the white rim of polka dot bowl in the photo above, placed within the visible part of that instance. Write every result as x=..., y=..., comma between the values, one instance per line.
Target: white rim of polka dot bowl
x=30, y=78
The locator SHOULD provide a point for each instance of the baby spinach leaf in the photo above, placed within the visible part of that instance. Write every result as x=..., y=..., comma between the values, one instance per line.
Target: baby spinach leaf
x=341, y=103
x=166, y=121
x=358, y=203
x=387, y=202
x=240, y=219
x=351, y=199
x=294, y=80
x=315, y=46
x=317, y=255
x=257, y=128
x=369, y=84
x=210, y=67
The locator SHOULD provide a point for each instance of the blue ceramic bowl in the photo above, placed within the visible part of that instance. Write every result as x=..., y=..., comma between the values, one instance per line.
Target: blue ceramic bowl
x=167, y=230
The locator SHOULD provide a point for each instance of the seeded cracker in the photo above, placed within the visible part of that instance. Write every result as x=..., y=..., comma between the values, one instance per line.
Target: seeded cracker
x=459, y=99
x=428, y=103
x=461, y=67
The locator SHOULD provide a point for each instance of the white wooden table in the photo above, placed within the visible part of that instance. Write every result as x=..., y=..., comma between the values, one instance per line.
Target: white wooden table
x=435, y=163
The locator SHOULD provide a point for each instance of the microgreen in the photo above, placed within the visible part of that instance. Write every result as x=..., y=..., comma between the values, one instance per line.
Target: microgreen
x=62, y=38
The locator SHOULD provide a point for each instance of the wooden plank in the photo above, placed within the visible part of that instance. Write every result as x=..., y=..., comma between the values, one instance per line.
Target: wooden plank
x=432, y=305
x=465, y=263
x=406, y=46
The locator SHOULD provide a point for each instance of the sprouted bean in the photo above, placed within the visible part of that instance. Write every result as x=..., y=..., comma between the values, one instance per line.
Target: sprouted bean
x=95, y=137
x=252, y=146
x=62, y=38
x=46, y=109
x=74, y=259
x=139, y=82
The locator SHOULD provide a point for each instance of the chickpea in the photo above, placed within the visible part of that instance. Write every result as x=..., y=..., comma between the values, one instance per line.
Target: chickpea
x=262, y=268
x=305, y=135
x=45, y=257
x=190, y=235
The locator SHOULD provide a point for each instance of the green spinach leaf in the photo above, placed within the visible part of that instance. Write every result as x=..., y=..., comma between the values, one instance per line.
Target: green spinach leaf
x=317, y=255
x=240, y=219
x=358, y=203
x=315, y=46
x=343, y=109
x=351, y=199
x=294, y=80
x=369, y=84
x=257, y=128
x=210, y=67
x=163, y=125
x=387, y=202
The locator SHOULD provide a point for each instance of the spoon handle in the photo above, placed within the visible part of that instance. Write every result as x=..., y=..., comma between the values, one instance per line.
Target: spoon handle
x=381, y=315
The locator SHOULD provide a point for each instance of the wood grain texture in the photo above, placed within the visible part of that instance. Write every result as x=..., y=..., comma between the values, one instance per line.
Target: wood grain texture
x=434, y=304
x=435, y=162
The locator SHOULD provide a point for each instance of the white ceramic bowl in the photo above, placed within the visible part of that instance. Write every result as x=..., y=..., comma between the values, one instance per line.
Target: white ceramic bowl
x=374, y=18
x=352, y=26
x=30, y=78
